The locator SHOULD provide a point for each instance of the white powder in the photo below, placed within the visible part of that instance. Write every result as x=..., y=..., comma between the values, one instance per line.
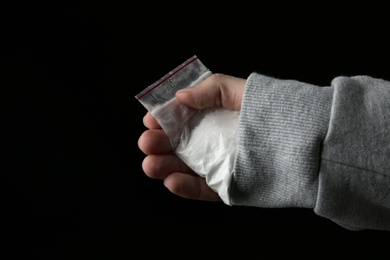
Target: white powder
x=210, y=149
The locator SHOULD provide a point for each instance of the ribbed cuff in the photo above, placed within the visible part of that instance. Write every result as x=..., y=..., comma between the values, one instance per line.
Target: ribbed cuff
x=281, y=129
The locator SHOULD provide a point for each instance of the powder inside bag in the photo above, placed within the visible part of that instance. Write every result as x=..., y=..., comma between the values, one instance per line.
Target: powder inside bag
x=210, y=148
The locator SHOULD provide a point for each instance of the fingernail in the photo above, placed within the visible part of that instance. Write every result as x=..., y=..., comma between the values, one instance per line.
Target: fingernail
x=143, y=121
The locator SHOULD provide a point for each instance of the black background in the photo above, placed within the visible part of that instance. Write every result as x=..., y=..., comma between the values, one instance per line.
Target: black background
x=74, y=186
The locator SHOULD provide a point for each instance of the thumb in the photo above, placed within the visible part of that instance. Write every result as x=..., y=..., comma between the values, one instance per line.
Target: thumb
x=216, y=90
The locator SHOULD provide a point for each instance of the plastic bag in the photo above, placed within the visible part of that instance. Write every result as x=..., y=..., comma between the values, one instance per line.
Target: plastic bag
x=203, y=139
x=159, y=99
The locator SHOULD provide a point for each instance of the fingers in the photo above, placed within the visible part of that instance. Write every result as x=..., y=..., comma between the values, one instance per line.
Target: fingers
x=160, y=166
x=150, y=122
x=190, y=187
x=216, y=90
x=154, y=141
x=178, y=177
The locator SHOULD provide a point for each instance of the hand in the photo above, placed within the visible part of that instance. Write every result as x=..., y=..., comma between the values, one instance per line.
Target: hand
x=161, y=162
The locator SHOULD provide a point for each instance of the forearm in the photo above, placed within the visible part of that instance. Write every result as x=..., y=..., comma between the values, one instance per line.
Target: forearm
x=354, y=177
x=284, y=143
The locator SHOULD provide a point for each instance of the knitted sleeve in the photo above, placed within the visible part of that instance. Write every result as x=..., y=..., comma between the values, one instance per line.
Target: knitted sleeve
x=325, y=148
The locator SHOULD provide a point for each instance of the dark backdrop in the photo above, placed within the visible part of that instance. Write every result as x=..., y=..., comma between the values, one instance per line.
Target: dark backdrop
x=74, y=185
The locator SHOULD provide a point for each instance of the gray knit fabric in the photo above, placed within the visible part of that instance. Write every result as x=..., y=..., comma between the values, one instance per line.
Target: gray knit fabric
x=354, y=183
x=325, y=148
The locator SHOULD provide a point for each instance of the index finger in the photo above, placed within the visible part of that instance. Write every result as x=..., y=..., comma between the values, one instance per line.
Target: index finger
x=150, y=122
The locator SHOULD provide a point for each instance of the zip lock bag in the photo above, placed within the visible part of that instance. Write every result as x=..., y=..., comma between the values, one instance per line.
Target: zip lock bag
x=204, y=139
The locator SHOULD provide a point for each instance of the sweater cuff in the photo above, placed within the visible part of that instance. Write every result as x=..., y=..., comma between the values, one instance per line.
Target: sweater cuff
x=282, y=126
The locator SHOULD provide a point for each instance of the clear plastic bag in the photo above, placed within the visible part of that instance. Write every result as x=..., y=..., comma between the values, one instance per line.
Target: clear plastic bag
x=159, y=99
x=203, y=139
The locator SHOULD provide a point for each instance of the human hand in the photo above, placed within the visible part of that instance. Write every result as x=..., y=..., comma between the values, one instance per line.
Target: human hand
x=161, y=162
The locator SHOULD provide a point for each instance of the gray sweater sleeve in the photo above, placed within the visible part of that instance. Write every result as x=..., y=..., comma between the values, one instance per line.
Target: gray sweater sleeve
x=325, y=148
